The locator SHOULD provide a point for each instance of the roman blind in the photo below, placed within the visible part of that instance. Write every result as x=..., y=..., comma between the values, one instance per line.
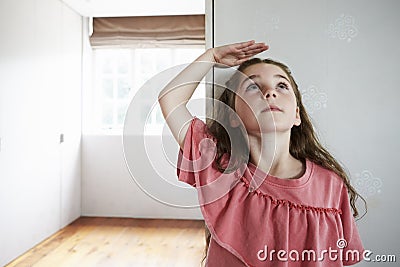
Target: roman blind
x=148, y=31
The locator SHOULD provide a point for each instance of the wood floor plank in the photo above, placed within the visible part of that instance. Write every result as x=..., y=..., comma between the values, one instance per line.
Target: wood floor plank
x=96, y=241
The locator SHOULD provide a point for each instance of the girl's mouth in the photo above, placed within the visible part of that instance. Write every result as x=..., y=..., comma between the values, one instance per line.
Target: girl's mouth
x=272, y=109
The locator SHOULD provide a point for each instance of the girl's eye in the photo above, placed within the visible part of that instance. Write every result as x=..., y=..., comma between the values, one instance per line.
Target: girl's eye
x=252, y=87
x=282, y=85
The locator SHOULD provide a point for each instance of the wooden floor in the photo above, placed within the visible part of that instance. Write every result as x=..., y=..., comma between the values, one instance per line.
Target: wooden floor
x=120, y=242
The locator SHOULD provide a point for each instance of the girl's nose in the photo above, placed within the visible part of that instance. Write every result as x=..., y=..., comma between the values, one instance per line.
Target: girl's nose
x=267, y=93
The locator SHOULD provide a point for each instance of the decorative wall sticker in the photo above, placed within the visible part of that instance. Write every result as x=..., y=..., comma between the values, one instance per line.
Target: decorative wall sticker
x=314, y=99
x=344, y=28
x=273, y=22
x=366, y=184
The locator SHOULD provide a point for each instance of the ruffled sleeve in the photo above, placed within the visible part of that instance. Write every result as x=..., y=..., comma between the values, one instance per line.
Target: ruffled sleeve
x=196, y=164
x=198, y=152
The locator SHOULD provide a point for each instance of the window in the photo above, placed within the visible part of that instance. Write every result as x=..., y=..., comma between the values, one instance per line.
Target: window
x=120, y=72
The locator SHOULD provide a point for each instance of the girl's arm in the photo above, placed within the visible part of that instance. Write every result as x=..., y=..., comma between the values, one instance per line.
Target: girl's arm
x=176, y=94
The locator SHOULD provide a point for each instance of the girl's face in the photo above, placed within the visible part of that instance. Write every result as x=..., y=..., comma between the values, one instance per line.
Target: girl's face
x=266, y=86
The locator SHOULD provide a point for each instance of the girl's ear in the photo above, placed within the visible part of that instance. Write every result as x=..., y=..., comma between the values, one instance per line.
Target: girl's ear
x=297, y=121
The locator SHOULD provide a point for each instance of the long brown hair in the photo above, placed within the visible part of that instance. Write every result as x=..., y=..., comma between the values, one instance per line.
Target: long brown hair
x=304, y=143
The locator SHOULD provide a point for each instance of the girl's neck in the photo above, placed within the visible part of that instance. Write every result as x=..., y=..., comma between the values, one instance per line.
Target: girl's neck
x=270, y=153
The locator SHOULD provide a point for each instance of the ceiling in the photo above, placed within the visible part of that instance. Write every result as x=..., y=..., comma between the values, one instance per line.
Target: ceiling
x=119, y=8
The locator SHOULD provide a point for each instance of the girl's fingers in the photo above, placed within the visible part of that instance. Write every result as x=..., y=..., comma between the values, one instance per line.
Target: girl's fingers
x=249, y=47
x=242, y=51
x=244, y=44
x=256, y=51
x=251, y=53
x=255, y=46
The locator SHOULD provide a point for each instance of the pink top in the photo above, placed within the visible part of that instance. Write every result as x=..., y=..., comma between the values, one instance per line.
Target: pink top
x=285, y=222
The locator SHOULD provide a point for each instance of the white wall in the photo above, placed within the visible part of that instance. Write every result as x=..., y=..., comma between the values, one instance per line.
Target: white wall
x=121, y=8
x=40, y=98
x=108, y=189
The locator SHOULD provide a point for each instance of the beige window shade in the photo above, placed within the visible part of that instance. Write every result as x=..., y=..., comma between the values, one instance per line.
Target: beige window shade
x=148, y=31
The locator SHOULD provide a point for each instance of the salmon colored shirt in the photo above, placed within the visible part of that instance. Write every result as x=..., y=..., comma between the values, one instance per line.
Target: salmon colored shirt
x=306, y=221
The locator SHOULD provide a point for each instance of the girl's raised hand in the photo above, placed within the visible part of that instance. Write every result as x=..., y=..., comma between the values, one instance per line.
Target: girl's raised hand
x=235, y=54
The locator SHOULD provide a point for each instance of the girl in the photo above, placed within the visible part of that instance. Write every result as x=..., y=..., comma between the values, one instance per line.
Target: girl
x=270, y=194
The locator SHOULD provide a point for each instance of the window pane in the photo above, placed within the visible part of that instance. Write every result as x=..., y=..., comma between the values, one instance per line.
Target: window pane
x=107, y=64
x=187, y=55
x=123, y=88
x=147, y=65
x=123, y=64
x=120, y=72
x=163, y=60
x=108, y=88
x=107, y=114
x=121, y=113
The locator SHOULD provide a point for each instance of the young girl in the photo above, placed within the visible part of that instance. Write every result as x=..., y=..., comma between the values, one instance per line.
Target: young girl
x=270, y=194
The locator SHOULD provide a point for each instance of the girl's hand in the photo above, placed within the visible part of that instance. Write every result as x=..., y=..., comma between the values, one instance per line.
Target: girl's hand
x=235, y=54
